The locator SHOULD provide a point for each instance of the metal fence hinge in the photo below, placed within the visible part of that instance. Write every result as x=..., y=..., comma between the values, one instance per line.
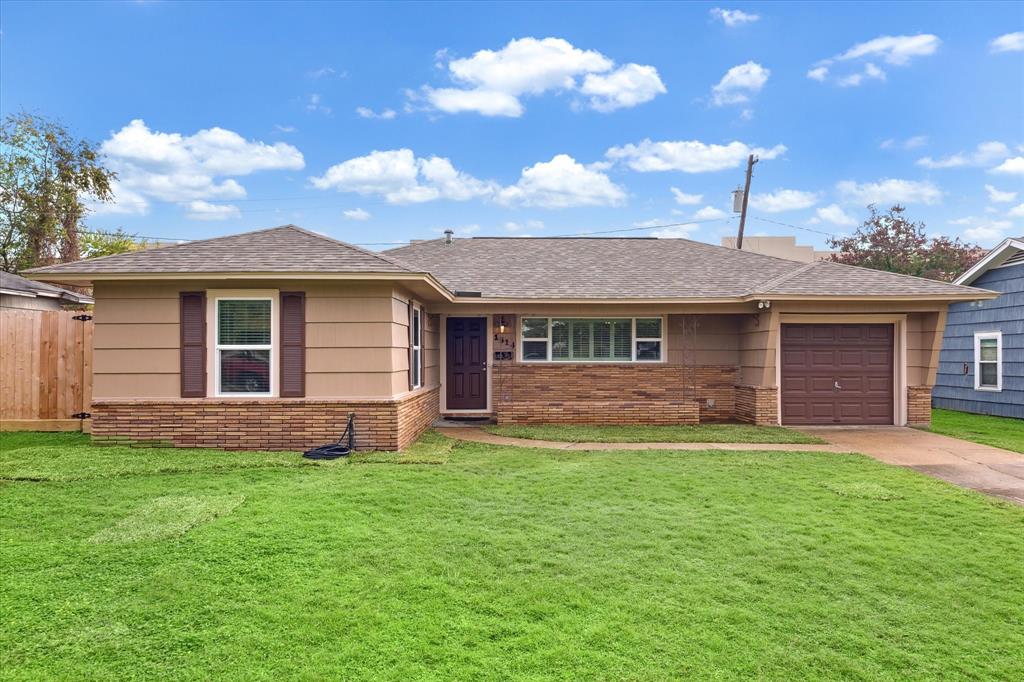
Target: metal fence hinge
x=82, y=415
x=82, y=318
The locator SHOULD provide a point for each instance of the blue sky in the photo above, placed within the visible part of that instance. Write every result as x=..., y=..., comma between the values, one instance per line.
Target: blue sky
x=380, y=123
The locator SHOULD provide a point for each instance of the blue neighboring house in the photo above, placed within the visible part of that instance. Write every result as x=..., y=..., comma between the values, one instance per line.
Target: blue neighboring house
x=981, y=366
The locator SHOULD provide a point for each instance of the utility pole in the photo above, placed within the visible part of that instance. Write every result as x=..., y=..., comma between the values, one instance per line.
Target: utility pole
x=751, y=160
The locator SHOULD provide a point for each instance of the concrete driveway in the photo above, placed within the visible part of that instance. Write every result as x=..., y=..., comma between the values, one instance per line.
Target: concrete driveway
x=980, y=467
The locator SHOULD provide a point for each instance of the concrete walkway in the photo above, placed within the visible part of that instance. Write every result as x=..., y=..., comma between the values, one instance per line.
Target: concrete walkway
x=990, y=470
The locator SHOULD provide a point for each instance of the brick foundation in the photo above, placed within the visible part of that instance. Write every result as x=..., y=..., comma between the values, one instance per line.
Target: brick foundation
x=919, y=405
x=263, y=424
x=757, y=405
x=609, y=393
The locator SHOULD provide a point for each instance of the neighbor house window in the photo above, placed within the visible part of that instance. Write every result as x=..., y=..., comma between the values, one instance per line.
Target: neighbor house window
x=417, y=348
x=559, y=339
x=988, y=361
x=244, y=348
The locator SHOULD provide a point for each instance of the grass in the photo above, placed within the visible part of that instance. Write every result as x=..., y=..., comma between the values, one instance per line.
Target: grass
x=704, y=433
x=506, y=563
x=1000, y=432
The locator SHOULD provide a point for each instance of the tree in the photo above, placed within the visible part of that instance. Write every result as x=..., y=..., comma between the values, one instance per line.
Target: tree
x=46, y=178
x=892, y=242
x=95, y=244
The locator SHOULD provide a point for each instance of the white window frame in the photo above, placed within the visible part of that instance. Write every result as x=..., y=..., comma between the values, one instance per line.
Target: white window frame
x=632, y=353
x=978, y=338
x=417, y=345
x=218, y=347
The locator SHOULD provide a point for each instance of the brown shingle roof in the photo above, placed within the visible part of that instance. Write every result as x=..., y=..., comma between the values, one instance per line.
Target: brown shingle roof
x=525, y=268
x=631, y=268
x=279, y=249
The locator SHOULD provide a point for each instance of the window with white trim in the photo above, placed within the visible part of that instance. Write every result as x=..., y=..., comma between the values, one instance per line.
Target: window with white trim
x=244, y=350
x=988, y=361
x=564, y=339
x=417, y=347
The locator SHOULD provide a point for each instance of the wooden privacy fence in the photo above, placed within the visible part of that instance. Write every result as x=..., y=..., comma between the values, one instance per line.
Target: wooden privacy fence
x=45, y=369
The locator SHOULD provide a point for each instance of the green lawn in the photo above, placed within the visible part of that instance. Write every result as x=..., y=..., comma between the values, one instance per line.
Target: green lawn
x=705, y=433
x=499, y=563
x=1001, y=432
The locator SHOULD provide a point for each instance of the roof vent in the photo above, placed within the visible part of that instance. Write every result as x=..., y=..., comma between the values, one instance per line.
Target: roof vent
x=448, y=234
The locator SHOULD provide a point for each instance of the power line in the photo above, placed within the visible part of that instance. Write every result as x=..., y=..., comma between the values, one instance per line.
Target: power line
x=646, y=227
x=795, y=227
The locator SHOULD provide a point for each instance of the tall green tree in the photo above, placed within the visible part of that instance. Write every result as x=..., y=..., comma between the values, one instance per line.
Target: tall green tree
x=97, y=243
x=46, y=177
x=891, y=241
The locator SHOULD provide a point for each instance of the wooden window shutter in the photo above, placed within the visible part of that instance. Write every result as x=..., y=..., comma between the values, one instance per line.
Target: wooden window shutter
x=412, y=360
x=293, y=344
x=193, y=344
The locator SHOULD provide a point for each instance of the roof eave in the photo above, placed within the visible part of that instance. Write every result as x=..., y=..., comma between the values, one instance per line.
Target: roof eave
x=982, y=266
x=171, y=276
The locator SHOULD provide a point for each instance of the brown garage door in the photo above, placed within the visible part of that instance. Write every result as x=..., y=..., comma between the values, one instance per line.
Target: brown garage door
x=837, y=374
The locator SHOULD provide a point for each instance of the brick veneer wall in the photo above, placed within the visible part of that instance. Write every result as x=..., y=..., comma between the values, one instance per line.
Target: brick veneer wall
x=757, y=405
x=603, y=393
x=263, y=424
x=919, y=405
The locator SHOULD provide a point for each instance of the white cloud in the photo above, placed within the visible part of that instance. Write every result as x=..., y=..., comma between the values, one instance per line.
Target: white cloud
x=125, y=202
x=324, y=72
x=562, y=182
x=356, y=214
x=153, y=165
x=402, y=178
x=984, y=154
x=890, y=191
x=1010, y=42
x=1013, y=166
x=739, y=83
x=386, y=114
x=710, y=213
x=528, y=225
x=853, y=80
x=203, y=210
x=625, y=87
x=485, y=102
x=783, y=200
x=1017, y=211
x=684, y=199
x=998, y=196
x=315, y=103
x=675, y=232
x=984, y=230
x=908, y=144
x=733, y=17
x=284, y=129
x=464, y=230
x=893, y=50
x=491, y=82
x=818, y=73
x=835, y=215
x=690, y=156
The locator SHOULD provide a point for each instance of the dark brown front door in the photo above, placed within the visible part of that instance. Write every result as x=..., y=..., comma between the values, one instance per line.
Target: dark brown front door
x=466, y=363
x=837, y=374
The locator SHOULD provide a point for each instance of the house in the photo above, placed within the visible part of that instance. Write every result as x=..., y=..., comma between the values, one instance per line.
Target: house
x=24, y=294
x=981, y=367
x=269, y=339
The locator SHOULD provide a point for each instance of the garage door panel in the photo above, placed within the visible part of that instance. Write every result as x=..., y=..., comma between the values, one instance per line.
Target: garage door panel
x=817, y=356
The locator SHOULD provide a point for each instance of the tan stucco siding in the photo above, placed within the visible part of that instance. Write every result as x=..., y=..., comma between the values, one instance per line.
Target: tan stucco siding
x=924, y=340
x=356, y=337
x=355, y=341
x=136, y=341
x=713, y=341
x=758, y=339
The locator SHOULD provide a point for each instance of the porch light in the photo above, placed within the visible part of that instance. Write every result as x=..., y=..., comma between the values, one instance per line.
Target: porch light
x=501, y=324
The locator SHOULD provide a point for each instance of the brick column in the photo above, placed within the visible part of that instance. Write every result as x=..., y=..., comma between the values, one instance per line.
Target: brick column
x=919, y=405
x=757, y=405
